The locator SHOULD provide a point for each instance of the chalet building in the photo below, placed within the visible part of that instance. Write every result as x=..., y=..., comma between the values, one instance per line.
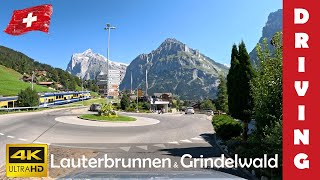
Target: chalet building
x=46, y=84
x=161, y=101
x=41, y=73
x=26, y=78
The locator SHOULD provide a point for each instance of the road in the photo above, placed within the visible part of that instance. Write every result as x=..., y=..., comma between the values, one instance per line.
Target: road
x=173, y=136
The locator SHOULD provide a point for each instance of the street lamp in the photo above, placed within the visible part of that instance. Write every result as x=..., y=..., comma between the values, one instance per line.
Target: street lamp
x=108, y=28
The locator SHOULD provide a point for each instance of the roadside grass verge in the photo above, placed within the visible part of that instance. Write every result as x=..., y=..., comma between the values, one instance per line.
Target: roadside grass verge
x=37, y=110
x=95, y=117
x=91, y=101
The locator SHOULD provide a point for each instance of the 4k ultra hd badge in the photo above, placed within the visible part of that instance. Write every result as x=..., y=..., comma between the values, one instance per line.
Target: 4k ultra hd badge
x=27, y=160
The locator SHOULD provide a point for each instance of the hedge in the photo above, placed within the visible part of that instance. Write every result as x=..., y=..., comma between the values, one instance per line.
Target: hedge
x=226, y=127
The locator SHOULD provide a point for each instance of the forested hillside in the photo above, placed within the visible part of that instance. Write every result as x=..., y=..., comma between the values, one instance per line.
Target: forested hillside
x=25, y=65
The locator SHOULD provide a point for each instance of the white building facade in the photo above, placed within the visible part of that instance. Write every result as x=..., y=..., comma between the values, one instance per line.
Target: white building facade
x=115, y=78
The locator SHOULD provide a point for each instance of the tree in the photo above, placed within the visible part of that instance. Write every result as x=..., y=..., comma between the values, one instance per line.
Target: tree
x=125, y=101
x=232, y=82
x=28, y=98
x=267, y=85
x=207, y=104
x=239, y=86
x=222, y=96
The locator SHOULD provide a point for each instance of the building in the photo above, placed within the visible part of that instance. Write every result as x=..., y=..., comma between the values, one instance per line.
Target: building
x=46, y=84
x=115, y=78
x=161, y=101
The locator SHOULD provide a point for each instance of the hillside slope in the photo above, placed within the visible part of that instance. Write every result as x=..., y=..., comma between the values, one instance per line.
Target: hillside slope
x=24, y=64
x=10, y=85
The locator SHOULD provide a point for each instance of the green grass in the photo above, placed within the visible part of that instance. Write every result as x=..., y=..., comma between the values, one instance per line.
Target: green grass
x=96, y=117
x=40, y=109
x=11, y=85
x=91, y=101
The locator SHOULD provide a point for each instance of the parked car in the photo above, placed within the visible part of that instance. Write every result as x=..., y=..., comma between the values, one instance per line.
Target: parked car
x=209, y=112
x=95, y=107
x=189, y=110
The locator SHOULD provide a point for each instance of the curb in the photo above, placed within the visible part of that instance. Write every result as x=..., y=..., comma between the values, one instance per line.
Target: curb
x=104, y=121
x=245, y=171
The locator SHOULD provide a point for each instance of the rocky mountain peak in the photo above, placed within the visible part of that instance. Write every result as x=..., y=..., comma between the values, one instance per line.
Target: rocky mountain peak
x=88, y=52
x=273, y=25
x=89, y=64
x=176, y=68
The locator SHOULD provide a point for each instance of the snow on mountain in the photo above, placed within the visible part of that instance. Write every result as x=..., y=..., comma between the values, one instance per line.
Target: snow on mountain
x=89, y=64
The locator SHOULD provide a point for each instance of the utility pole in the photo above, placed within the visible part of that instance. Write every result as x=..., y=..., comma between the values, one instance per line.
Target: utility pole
x=131, y=82
x=32, y=80
x=82, y=90
x=137, y=99
x=147, y=76
x=108, y=28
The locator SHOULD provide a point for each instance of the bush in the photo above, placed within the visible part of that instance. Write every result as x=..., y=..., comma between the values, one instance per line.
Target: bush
x=145, y=106
x=107, y=110
x=226, y=127
x=207, y=104
x=28, y=98
x=125, y=102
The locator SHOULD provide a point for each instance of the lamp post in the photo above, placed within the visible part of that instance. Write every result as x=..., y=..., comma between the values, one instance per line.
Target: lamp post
x=108, y=28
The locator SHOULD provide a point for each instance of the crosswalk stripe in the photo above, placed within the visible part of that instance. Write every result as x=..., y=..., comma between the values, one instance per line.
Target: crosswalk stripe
x=186, y=141
x=125, y=148
x=143, y=147
x=197, y=139
x=159, y=145
x=173, y=142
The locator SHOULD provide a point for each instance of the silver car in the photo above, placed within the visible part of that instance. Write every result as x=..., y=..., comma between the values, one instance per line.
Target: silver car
x=189, y=110
x=95, y=107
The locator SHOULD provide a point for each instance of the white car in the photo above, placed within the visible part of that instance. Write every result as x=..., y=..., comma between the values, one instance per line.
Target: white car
x=189, y=110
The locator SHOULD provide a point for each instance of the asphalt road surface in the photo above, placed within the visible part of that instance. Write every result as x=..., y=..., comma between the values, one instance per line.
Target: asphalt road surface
x=174, y=136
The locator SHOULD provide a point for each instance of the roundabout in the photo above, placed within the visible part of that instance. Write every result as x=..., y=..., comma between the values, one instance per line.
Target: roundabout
x=80, y=120
x=150, y=136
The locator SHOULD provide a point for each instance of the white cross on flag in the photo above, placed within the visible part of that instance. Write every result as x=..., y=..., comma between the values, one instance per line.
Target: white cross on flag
x=35, y=18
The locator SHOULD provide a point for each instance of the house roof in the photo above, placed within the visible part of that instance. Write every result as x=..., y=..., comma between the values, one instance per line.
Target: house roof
x=160, y=94
x=45, y=83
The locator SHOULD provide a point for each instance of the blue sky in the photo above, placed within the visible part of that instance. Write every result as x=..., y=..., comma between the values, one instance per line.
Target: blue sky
x=142, y=25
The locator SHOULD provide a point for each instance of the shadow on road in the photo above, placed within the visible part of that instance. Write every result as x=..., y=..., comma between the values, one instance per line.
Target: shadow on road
x=209, y=150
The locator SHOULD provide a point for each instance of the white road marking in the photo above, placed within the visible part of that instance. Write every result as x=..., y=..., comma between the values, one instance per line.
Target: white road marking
x=37, y=142
x=186, y=141
x=20, y=139
x=160, y=145
x=1, y=134
x=197, y=139
x=173, y=142
x=125, y=148
x=10, y=137
x=143, y=147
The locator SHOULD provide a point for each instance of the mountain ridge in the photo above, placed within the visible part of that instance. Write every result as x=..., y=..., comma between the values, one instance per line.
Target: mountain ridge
x=176, y=68
x=273, y=25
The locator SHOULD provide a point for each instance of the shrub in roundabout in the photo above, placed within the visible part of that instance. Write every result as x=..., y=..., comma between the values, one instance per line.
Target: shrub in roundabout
x=107, y=110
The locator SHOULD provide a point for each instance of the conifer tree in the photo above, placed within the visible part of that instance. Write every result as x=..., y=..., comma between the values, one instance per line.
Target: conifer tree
x=222, y=96
x=239, y=92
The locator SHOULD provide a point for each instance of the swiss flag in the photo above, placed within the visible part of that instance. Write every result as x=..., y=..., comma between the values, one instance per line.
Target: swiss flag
x=35, y=18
